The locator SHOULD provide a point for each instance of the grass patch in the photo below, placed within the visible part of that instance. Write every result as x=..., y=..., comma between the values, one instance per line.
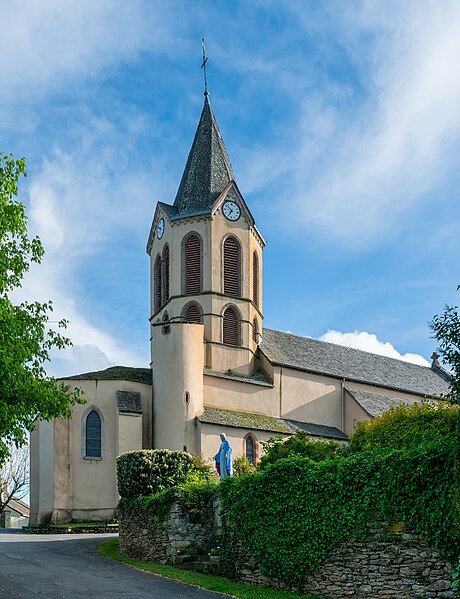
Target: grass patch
x=205, y=581
x=81, y=525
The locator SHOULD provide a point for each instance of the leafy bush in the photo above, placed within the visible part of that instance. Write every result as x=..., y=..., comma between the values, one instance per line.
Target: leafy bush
x=190, y=496
x=406, y=425
x=300, y=445
x=290, y=515
x=242, y=466
x=201, y=472
x=149, y=471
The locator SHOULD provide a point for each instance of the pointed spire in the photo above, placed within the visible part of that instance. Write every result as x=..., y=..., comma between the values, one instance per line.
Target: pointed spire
x=208, y=170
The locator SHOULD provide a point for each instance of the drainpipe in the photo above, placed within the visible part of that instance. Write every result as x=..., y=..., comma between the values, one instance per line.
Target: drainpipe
x=342, y=406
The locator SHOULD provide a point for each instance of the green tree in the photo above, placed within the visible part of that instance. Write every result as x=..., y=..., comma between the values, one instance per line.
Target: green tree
x=446, y=330
x=26, y=392
x=300, y=445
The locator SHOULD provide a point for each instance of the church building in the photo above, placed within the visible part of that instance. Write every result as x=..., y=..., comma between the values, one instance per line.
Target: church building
x=214, y=368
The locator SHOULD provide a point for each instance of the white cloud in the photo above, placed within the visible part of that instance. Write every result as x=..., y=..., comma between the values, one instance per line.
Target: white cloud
x=44, y=42
x=81, y=206
x=392, y=142
x=369, y=342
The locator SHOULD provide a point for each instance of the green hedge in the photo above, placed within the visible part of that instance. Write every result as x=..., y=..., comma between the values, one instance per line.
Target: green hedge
x=150, y=471
x=406, y=425
x=291, y=515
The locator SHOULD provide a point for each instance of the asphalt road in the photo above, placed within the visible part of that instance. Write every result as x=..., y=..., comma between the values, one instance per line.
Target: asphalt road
x=68, y=567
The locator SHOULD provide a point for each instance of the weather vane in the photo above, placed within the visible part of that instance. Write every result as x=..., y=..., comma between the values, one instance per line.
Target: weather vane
x=203, y=66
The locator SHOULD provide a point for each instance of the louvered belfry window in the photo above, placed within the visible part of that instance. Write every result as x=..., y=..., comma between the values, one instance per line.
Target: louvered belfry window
x=255, y=278
x=232, y=267
x=255, y=331
x=231, y=327
x=165, y=277
x=192, y=258
x=193, y=313
x=157, y=283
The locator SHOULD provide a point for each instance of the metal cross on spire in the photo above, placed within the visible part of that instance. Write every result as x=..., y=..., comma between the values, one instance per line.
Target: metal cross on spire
x=203, y=66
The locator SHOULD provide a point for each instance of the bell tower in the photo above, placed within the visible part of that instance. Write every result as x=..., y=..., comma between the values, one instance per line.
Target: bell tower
x=206, y=282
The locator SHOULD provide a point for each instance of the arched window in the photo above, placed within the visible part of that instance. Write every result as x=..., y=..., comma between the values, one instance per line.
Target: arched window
x=255, y=331
x=157, y=283
x=165, y=274
x=93, y=435
x=255, y=278
x=192, y=312
x=250, y=448
x=232, y=267
x=231, y=327
x=192, y=264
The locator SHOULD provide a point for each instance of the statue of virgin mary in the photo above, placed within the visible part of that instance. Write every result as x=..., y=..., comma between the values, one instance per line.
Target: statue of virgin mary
x=224, y=460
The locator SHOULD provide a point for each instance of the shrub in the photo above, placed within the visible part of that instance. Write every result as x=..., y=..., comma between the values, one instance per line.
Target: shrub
x=242, y=466
x=300, y=445
x=201, y=472
x=149, y=471
x=290, y=515
x=405, y=426
x=196, y=497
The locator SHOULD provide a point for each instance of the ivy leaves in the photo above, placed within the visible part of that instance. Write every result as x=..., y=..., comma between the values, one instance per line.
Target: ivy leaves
x=292, y=514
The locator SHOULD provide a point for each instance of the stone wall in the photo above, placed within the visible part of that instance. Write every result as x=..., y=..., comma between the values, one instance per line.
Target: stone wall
x=387, y=564
x=391, y=562
x=181, y=533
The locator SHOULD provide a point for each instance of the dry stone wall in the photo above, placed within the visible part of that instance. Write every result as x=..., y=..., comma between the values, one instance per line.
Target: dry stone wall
x=389, y=564
x=180, y=533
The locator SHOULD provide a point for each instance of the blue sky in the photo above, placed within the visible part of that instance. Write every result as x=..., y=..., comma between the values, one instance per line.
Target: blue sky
x=342, y=122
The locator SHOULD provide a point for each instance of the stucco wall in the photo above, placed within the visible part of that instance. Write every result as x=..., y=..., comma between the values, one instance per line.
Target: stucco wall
x=178, y=386
x=129, y=432
x=41, y=472
x=65, y=484
x=244, y=397
x=210, y=441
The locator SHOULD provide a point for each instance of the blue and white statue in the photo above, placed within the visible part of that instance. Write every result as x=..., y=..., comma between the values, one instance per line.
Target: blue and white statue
x=224, y=460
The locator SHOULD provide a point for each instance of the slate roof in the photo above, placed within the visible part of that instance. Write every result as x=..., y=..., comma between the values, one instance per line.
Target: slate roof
x=115, y=373
x=376, y=403
x=129, y=401
x=261, y=422
x=208, y=170
x=352, y=364
x=258, y=378
x=171, y=211
x=318, y=430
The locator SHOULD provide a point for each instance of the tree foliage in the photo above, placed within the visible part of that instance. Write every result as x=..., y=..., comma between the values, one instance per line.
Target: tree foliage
x=406, y=425
x=26, y=392
x=446, y=330
x=301, y=445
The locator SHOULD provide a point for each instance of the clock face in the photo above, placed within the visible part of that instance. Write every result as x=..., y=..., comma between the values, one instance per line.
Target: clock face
x=161, y=228
x=231, y=211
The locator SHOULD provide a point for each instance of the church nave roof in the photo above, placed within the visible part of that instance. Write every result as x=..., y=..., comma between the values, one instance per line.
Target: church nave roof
x=321, y=357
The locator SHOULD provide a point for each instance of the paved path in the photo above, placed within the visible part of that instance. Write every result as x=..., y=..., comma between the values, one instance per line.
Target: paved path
x=68, y=567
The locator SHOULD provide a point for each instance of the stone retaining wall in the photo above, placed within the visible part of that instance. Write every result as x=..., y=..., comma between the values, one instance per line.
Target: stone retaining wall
x=181, y=533
x=387, y=564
